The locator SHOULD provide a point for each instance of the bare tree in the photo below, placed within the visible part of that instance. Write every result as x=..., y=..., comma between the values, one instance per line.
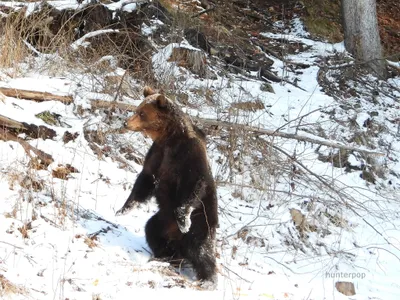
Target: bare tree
x=361, y=33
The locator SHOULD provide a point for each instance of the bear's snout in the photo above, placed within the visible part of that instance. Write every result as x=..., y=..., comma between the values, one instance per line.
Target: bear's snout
x=133, y=123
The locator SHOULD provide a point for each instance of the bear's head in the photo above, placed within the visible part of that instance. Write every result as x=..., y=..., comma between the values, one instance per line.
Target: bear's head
x=154, y=116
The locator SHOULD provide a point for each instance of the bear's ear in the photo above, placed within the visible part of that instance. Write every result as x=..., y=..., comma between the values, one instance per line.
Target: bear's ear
x=147, y=91
x=162, y=101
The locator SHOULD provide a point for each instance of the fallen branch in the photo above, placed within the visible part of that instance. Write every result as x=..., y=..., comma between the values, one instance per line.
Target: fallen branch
x=303, y=138
x=30, y=130
x=12, y=245
x=44, y=157
x=112, y=104
x=34, y=95
x=82, y=41
x=10, y=123
x=203, y=12
x=103, y=230
x=265, y=74
x=262, y=131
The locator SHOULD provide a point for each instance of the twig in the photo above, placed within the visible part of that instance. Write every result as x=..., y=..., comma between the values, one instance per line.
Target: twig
x=12, y=245
x=50, y=221
x=38, y=291
x=147, y=251
x=359, y=63
x=103, y=230
x=229, y=270
x=108, y=222
x=312, y=139
x=33, y=49
x=329, y=186
x=75, y=45
x=203, y=12
x=120, y=85
x=380, y=248
x=283, y=265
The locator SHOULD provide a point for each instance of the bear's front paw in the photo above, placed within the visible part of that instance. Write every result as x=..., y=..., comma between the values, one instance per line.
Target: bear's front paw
x=122, y=211
x=183, y=218
x=127, y=208
x=184, y=226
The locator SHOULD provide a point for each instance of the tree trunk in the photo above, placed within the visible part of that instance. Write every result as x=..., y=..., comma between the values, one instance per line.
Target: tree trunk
x=361, y=34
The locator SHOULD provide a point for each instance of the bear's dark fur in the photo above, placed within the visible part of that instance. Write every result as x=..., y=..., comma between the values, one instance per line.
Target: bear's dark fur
x=177, y=173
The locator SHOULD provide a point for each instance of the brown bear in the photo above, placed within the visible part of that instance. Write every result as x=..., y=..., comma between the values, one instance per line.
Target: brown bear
x=177, y=173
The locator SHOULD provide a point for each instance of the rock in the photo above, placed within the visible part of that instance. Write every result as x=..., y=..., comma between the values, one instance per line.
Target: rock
x=193, y=60
x=245, y=59
x=346, y=288
x=197, y=39
x=266, y=87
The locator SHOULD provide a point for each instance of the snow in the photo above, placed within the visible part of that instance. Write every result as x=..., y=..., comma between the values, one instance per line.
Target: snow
x=58, y=259
x=59, y=86
x=81, y=42
x=128, y=6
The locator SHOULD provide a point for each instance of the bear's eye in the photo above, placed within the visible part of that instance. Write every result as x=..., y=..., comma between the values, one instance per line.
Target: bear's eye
x=141, y=114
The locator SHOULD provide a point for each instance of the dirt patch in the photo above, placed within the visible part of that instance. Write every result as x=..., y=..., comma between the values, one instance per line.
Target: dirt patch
x=389, y=26
x=62, y=172
x=249, y=105
x=7, y=287
x=323, y=20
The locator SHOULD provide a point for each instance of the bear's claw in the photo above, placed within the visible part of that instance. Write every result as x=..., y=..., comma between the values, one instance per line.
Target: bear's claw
x=127, y=208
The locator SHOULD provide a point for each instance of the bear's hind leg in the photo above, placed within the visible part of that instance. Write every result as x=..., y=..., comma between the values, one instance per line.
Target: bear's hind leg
x=202, y=256
x=160, y=245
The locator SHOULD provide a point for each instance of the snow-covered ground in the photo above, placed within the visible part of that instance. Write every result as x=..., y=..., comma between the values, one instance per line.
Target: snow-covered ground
x=63, y=240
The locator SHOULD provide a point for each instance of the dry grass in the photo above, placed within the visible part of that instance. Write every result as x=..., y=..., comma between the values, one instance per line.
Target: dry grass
x=91, y=241
x=322, y=19
x=23, y=36
x=13, y=50
x=8, y=288
x=49, y=31
x=195, y=61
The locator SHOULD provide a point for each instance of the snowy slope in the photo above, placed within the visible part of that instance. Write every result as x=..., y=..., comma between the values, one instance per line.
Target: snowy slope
x=63, y=241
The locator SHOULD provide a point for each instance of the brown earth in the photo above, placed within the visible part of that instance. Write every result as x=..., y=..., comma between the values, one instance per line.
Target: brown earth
x=389, y=23
x=322, y=18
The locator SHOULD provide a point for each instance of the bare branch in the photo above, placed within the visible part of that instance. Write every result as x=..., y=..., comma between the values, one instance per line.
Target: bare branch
x=12, y=245
x=262, y=131
x=304, y=138
x=339, y=193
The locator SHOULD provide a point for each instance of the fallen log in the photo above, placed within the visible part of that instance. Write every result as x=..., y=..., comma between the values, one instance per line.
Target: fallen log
x=30, y=130
x=112, y=104
x=211, y=122
x=34, y=95
x=47, y=159
x=10, y=123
